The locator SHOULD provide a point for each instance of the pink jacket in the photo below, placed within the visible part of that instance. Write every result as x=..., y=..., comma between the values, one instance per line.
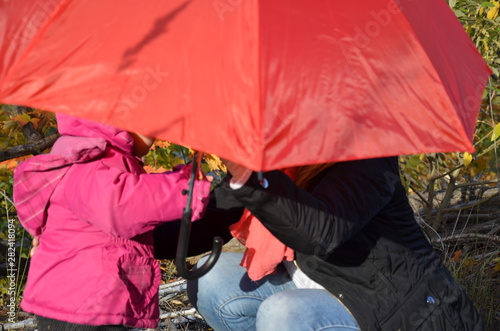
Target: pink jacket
x=94, y=207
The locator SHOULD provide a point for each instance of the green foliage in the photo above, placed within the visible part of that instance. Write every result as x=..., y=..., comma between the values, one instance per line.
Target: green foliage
x=12, y=123
x=481, y=21
x=165, y=156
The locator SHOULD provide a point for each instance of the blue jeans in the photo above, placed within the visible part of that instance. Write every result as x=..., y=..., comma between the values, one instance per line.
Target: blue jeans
x=229, y=300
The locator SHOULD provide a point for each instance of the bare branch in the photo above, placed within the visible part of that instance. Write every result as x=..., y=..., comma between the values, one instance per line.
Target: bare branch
x=495, y=181
x=470, y=205
x=184, y=312
x=27, y=323
x=32, y=148
x=495, y=230
x=470, y=236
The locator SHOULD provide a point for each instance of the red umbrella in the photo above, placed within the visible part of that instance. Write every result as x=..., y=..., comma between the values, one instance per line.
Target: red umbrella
x=268, y=84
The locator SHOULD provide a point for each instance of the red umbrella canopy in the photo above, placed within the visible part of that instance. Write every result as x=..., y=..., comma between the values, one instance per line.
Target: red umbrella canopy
x=267, y=84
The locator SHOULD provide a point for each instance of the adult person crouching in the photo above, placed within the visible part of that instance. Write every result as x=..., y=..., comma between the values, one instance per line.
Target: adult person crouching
x=361, y=260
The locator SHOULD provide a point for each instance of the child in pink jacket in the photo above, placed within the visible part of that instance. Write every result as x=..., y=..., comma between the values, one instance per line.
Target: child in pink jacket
x=93, y=208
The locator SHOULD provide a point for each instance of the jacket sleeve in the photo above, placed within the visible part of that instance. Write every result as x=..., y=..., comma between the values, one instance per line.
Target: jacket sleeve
x=346, y=197
x=125, y=204
x=215, y=222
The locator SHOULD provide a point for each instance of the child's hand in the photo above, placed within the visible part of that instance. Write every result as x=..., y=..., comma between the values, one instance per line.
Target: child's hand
x=35, y=242
x=201, y=192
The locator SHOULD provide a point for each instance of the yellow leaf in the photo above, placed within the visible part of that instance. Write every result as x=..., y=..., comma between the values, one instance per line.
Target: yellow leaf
x=161, y=143
x=150, y=170
x=22, y=119
x=10, y=125
x=35, y=121
x=467, y=159
x=469, y=263
x=214, y=162
x=497, y=267
x=493, y=11
x=45, y=113
x=486, y=47
x=496, y=132
x=176, y=302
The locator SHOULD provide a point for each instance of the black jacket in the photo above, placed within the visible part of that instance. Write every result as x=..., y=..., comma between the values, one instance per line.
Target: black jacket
x=354, y=233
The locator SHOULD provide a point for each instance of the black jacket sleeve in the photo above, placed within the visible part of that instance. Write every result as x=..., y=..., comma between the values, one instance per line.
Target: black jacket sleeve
x=343, y=199
x=222, y=211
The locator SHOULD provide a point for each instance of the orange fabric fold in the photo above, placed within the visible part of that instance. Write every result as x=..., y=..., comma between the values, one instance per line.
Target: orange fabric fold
x=264, y=252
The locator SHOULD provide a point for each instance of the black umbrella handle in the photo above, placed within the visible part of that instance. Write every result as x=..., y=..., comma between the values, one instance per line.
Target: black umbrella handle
x=185, y=231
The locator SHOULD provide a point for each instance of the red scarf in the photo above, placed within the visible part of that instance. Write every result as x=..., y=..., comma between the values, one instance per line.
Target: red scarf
x=263, y=251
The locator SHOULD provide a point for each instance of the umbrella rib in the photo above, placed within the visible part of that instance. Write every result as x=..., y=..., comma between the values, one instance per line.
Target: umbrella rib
x=260, y=92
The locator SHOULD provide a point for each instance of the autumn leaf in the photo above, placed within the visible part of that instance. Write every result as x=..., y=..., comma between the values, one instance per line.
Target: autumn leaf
x=176, y=302
x=45, y=113
x=150, y=170
x=457, y=256
x=13, y=163
x=9, y=164
x=493, y=11
x=214, y=162
x=496, y=132
x=35, y=121
x=414, y=161
x=22, y=119
x=467, y=159
x=10, y=125
x=497, y=265
x=162, y=144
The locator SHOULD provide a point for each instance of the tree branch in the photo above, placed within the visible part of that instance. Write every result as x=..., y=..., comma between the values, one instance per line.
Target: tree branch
x=469, y=236
x=32, y=148
x=469, y=205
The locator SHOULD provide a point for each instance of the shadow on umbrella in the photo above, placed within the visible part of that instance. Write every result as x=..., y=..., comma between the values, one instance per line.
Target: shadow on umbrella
x=159, y=28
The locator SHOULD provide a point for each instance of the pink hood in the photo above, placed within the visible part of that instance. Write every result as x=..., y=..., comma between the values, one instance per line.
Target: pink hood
x=82, y=141
x=73, y=126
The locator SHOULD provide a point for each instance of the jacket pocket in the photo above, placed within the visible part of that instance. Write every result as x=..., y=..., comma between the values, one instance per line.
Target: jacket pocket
x=141, y=277
x=422, y=309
